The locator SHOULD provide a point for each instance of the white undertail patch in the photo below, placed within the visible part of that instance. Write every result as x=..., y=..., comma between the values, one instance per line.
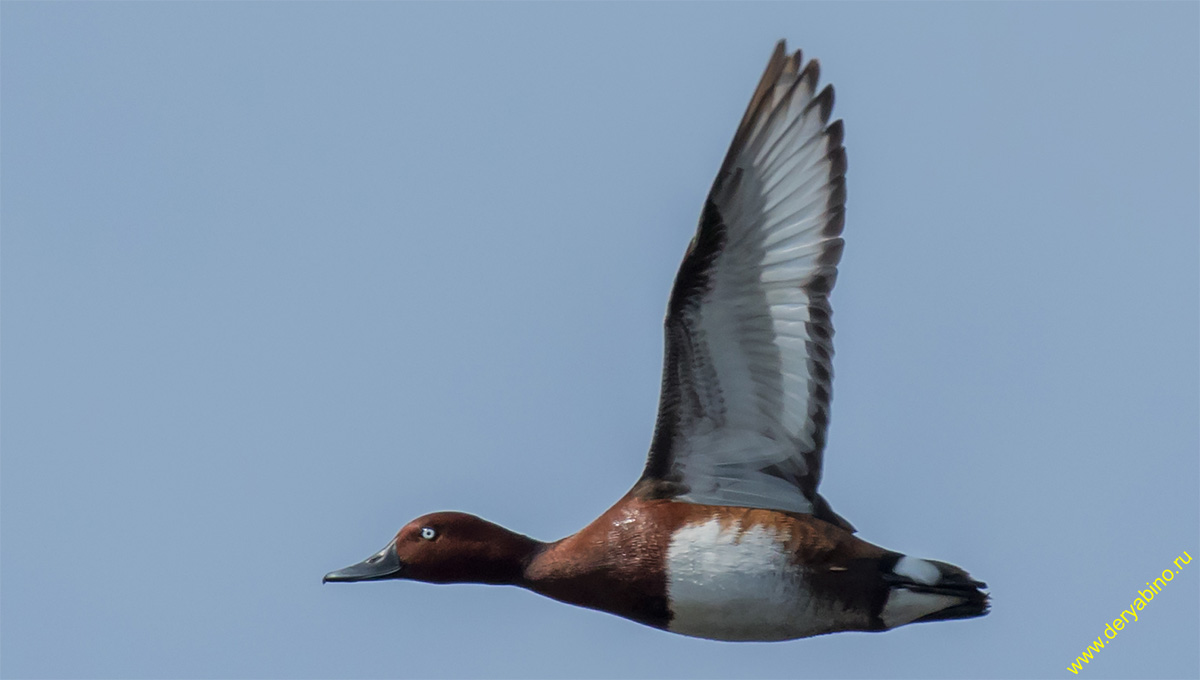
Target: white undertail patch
x=919, y=571
x=904, y=606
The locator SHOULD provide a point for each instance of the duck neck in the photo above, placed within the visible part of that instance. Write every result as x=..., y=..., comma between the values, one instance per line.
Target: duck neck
x=508, y=559
x=548, y=568
x=590, y=573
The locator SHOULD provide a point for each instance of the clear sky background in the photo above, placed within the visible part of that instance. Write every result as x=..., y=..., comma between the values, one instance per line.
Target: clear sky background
x=278, y=278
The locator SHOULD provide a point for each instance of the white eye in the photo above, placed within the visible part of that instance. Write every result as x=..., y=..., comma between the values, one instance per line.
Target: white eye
x=428, y=533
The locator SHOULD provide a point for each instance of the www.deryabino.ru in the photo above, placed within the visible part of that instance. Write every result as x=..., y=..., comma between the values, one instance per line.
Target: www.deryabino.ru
x=1129, y=615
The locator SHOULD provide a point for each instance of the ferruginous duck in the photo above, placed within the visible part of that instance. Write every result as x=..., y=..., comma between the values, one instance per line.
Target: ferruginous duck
x=724, y=536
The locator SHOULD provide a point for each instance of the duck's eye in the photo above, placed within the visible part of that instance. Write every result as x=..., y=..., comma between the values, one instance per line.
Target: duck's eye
x=428, y=533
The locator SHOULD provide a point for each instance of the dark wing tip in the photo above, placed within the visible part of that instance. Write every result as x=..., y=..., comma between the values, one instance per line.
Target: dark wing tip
x=837, y=162
x=811, y=74
x=835, y=133
x=821, y=281
x=837, y=193
x=824, y=101
x=832, y=254
x=836, y=221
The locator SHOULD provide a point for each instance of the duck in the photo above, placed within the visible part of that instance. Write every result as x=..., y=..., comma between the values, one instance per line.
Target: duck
x=724, y=536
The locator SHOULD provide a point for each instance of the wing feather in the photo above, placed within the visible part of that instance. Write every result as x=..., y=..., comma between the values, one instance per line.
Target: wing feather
x=749, y=342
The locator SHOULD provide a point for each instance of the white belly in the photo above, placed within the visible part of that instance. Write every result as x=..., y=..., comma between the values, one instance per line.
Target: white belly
x=734, y=583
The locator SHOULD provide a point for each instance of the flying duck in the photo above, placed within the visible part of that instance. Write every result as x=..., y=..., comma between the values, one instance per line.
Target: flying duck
x=725, y=536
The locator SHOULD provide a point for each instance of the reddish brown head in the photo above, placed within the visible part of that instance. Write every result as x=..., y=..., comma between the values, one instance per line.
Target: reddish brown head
x=447, y=547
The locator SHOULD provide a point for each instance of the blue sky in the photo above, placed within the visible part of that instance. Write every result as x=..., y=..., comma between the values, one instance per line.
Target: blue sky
x=277, y=278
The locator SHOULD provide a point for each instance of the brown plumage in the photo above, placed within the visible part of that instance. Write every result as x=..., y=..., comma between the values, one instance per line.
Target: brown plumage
x=725, y=536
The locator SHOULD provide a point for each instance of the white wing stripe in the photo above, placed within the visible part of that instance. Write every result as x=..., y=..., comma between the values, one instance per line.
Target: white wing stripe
x=749, y=333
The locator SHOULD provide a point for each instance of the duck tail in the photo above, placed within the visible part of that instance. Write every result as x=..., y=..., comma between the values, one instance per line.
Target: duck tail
x=927, y=590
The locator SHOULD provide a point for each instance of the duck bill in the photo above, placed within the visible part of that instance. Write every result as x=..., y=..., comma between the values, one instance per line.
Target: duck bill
x=384, y=564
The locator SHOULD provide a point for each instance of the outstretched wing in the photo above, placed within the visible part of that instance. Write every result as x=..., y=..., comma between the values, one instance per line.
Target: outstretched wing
x=746, y=381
